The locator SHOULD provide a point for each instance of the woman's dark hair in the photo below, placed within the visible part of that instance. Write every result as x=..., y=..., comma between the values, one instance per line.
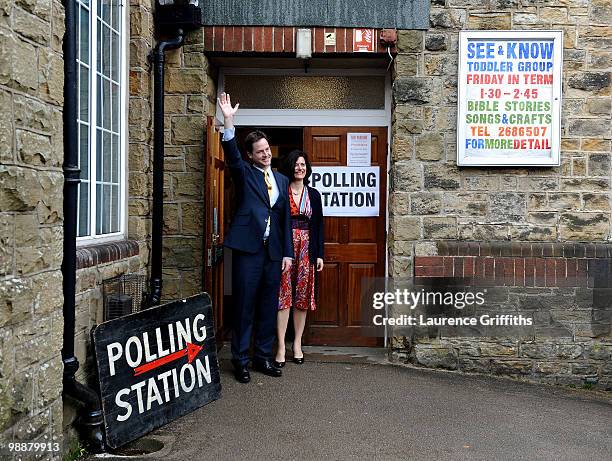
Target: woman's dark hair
x=288, y=165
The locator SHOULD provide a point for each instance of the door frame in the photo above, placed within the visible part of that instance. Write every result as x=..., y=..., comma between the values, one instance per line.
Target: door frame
x=214, y=225
x=303, y=118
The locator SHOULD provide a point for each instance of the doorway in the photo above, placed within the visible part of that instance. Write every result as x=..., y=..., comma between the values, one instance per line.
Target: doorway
x=355, y=247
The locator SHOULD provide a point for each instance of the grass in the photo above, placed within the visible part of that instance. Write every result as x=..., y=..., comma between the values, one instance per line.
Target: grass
x=75, y=451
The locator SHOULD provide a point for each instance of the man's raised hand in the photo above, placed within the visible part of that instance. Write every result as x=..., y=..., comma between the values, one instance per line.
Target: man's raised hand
x=226, y=106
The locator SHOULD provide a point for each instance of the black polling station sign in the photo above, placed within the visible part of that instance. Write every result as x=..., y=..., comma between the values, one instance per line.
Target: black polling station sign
x=155, y=366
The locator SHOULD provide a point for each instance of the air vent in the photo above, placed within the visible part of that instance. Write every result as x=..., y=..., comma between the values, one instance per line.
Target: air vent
x=123, y=295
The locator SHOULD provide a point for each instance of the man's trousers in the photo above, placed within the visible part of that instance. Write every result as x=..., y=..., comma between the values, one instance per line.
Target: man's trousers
x=255, y=285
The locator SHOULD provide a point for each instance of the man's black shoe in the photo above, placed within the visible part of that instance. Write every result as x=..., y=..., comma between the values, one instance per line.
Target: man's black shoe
x=266, y=367
x=241, y=373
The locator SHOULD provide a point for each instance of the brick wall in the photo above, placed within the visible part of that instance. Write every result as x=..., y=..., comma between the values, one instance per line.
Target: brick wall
x=232, y=39
x=519, y=264
x=564, y=288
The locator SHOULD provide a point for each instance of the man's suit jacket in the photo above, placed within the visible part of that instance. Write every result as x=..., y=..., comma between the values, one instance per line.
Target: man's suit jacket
x=253, y=208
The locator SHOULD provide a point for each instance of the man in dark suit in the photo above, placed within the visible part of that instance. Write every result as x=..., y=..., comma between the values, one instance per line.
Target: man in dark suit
x=261, y=242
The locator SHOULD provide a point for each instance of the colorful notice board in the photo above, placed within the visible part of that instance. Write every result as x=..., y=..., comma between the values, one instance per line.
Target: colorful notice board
x=509, y=98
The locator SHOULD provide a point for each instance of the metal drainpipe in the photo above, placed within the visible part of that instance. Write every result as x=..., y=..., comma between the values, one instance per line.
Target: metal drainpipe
x=89, y=422
x=155, y=289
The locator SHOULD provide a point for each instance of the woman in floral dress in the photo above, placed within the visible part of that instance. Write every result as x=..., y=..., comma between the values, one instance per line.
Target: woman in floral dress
x=297, y=288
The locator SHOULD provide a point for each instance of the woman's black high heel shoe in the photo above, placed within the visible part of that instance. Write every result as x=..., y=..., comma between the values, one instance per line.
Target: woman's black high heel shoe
x=298, y=361
x=279, y=364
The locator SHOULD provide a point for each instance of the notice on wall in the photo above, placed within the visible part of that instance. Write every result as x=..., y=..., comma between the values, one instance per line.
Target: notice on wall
x=359, y=149
x=348, y=191
x=509, y=98
x=155, y=366
x=363, y=40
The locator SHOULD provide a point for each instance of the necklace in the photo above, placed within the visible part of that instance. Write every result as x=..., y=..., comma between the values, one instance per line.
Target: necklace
x=297, y=193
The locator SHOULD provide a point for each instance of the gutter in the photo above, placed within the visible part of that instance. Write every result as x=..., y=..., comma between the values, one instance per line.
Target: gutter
x=158, y=57
x=90, y=420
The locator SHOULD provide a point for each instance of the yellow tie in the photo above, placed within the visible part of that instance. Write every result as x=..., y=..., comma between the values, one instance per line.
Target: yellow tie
x=269, y=184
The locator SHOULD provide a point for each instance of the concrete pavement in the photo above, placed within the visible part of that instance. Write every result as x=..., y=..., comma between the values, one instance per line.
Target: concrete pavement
x=340, y=407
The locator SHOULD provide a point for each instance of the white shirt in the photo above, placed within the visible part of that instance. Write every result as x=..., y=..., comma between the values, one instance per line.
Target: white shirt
x=228, y=135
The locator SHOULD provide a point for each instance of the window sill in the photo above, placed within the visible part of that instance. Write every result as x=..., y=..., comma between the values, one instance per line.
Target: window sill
x=103, y=253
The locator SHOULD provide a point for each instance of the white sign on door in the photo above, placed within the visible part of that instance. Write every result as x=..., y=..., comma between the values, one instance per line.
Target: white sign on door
x=348, y=191
x=359, y=149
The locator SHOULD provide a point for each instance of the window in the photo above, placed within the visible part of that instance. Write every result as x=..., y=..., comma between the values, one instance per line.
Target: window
x=101, y=119
x=322, y=92
x=319, y=97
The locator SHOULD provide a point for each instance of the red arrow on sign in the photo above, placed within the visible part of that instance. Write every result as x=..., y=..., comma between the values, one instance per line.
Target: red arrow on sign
x=190, y=351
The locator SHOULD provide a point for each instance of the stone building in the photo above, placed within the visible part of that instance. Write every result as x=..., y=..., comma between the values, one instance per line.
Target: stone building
x=543, y=233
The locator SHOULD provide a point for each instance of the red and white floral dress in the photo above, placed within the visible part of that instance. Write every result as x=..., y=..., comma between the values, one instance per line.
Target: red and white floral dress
x=297, y=286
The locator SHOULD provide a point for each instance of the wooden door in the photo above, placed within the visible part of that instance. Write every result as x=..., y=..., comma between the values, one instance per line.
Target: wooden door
x=214, y=177
x=354, y=247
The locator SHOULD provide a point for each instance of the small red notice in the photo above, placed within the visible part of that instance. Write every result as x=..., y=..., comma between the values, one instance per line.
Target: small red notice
x=363, y=40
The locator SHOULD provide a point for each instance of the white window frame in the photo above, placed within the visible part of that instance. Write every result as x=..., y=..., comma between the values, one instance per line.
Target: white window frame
x=309, y=117
x=123, y=75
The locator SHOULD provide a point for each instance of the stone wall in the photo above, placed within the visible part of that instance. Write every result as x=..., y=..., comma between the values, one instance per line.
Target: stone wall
x=183, y=198
x=31, y=217
x=432, y=201
x=190, y=96
x=140, y=124
x=95, y=264
x=189, y=91
x=186, y=104
x=100, y=262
